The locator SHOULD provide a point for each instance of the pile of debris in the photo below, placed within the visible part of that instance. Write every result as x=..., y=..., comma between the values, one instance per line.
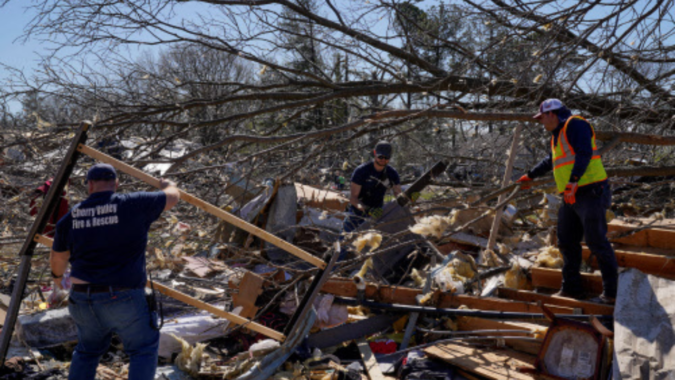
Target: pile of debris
x=427, y=291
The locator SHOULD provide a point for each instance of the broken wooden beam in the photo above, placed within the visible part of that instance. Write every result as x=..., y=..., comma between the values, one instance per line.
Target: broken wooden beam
x=249, y=288
x=549, y=301
x=369, y=361
x=209, y=208
x=506, y=180
x=651, y=236
x=658, y=265
x=552, y=279
x=530, y=347
x=408, y=296
x=234, y=318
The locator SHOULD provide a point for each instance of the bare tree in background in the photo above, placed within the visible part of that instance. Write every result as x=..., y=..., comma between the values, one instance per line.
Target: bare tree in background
x=281, y=88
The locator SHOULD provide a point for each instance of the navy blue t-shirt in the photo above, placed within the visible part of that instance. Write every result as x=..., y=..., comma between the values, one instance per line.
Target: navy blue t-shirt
x=107, y=235
x=374, y=184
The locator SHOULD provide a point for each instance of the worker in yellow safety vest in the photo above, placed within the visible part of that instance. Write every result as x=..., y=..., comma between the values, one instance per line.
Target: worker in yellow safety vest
x=581, y=179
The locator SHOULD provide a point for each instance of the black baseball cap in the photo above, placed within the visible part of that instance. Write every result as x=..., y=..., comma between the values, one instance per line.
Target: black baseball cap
x=101, y=172
x=383, y=148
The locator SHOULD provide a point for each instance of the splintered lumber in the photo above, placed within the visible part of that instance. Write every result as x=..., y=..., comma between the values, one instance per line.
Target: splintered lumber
x=407, y=296
x=47, y=242
x=234, y=318
x=496, y=222
x=527, y=296
x=496, y=364
x=651, y=236
x=530, y=347
x=249, y=289
x=552, y=279
x=211, y=209
x=372, y=368
x=4, y=306
x=658, y=265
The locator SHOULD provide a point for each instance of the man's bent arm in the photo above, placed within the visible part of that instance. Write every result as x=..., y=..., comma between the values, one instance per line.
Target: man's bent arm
x=543, y=167
x=397, y=190
x=58, y=261
x=172, y=193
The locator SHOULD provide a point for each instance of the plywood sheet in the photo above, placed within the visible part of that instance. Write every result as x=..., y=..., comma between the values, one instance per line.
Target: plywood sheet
x=495, y=364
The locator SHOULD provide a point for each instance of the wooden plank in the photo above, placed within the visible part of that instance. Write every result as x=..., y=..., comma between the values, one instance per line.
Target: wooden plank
x=530, y=347
x=407, y=296
x=47, y=242
x=526, y=296
x=506, y=180
x=205, y=206
x=249, y=289
x=492, y=303
x=658, y=265
x=552, y=279
x=175, y=294
x=495, y=364
x=651, y=237
x=372, y=367
x=234, y=318
x=4, y=306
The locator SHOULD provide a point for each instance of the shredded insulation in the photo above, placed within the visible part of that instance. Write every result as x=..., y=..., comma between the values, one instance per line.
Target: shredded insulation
x=549, y=257
x=371, y=239
x=433, y=225
x=490, y=258
x=425, y=298
x=458, y=271
x=190, y=358
x=419, y=277
x=515, y=278
x=368, y=264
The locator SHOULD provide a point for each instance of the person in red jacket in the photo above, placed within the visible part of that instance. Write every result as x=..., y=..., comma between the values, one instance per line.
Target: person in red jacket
x=36, y=203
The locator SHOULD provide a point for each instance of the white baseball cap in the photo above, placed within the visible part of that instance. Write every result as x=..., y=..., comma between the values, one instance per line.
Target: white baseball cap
x=549, y=105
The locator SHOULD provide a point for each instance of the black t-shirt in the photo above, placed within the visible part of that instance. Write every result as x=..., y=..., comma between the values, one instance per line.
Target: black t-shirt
x=374, y=184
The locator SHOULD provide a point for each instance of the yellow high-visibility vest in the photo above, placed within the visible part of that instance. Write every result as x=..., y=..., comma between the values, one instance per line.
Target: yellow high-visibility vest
x=563, y=160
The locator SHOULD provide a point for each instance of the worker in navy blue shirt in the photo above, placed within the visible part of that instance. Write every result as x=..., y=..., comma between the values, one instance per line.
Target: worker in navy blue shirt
x=104, y=239
x=369, y=184
x=582, y=181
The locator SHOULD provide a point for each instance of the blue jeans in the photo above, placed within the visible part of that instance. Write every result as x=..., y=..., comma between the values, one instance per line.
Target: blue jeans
x=352, y=221
x=98, y=316
x=586, y=219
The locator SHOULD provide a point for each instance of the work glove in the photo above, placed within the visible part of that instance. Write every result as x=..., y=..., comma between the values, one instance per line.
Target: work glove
x=375, y=212
x=522, y=181
x=569, y=195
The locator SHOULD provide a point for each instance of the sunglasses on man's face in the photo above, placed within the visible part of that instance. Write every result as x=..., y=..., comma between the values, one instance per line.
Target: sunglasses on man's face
x=382, y=157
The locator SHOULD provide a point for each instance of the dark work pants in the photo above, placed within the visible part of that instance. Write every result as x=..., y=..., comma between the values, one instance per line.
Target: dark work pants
x=586, y=219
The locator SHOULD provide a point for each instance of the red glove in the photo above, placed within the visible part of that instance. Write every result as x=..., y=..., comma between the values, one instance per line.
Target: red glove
x=524, y=178
x=569, y=195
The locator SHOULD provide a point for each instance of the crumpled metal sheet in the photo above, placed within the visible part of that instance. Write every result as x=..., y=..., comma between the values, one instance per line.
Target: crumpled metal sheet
x=644, y=320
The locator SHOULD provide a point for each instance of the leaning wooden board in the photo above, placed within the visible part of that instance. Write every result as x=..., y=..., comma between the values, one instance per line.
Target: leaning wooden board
x=497, y=364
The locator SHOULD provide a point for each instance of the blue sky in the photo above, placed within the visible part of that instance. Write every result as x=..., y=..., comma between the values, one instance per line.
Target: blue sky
x=13, y=19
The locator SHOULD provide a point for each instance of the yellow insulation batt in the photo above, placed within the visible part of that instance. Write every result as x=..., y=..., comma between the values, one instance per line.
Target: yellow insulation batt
x=549, y=257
